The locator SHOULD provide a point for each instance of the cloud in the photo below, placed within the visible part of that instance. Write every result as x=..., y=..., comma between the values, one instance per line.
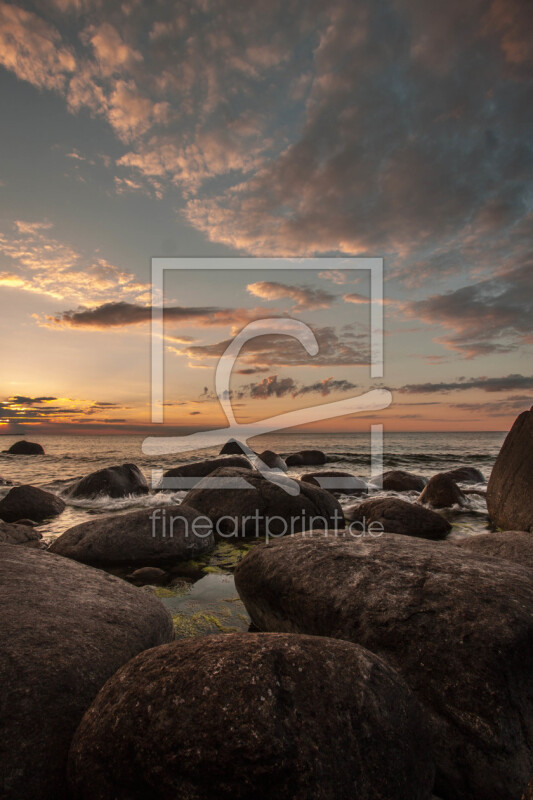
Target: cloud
x=276, y=386
x=277, y=350
x=32, y=49
x=44, y=265
x=358, y=299
x=304, y=298
x=111, y=52
x=122, y=314
x=508, y=383
x=22, y=409
x=490, y=316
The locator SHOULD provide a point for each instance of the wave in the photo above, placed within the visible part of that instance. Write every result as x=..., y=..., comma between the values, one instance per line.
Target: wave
x=105, y=503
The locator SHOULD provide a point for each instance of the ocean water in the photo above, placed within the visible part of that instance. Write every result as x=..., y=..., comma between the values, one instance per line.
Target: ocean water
x=206, y=601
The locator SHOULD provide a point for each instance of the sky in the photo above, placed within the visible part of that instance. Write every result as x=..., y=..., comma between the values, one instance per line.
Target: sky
x=291, y=130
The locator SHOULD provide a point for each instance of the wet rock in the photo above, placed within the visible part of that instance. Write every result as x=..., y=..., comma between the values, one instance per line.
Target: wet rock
x=24, y=448
x=66, y=629
x=5, y=482
x=29, y=502
x=465, y=475
x=514, y=546
x=396, y=480
x=264, y=507
x=336, y=482
x=187, y=476
x=19, y=534
x=441, y=491
x=510, y=488
x=253, y=715
x=393, y=515
x=233, y=448
x=458, y=629
x=148, y=537
x=272, y=460
x=117, y=481
x=145, y=575
x=306, y=458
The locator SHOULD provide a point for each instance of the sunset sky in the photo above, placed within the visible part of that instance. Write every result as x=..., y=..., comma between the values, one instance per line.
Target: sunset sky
x=398, y=129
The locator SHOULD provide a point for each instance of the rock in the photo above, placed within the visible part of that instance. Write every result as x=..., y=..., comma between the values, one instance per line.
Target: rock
x=272, y=460
x=396, y=480
x=117, y=481
x=66, y=629
x=265, y=508
x=514, y=546
x=233, y=448
x=336, y=482
x=24, y=448
x=29, y=522
x=306, y=458
x=441, y=491
x=29, y=502
x=180, y=534
x=459, y=627
x=465, y=475
x=528, y=795
x=146, y=575
x=393, y=515
x=19, y=534
x=5, y=482
x=510, y=488
x=188, y=475
x=253, y=716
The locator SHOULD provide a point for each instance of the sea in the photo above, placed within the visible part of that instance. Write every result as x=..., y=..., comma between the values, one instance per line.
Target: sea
x=205, y=600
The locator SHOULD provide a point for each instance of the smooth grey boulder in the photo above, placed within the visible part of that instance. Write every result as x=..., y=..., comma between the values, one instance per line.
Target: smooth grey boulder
x=336, y=482
x=24, y=448
x=117, y=481
x=66, y=629
x=457, y=626
x=510, y=487
x=262, y=507
x=29, y=502
x=514, y=546
x=187, y=476
x=441, y=491
x=392, y=515
x=263, y=716
x=20, y=534
x=465, y=475
x=306, y=458
x=397, y=480
x=148, y=537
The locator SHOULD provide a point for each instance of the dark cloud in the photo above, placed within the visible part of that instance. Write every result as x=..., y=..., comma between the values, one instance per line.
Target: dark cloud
x=490, y=316
x=274, y=386
x=277, y=350
x=508, y=383
x=304, y=297
x=30, y=401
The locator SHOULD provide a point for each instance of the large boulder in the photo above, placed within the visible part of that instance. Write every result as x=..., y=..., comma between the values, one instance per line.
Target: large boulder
x=253, y=715
x=336, y=482
x=306, y=458
x=465, y=475
x=510, y=488
x=272, y=460
x=65, y=630
x=441, y=491
x=187, y=476
x=24, y=448
x=262, y=508
x=396, y=480
x=393, y=515
x=147, y=537
x=459, y=627
x=514, y=546
x=29, y=502
x=117, y=481
x=232, y=448
x=20, y=534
